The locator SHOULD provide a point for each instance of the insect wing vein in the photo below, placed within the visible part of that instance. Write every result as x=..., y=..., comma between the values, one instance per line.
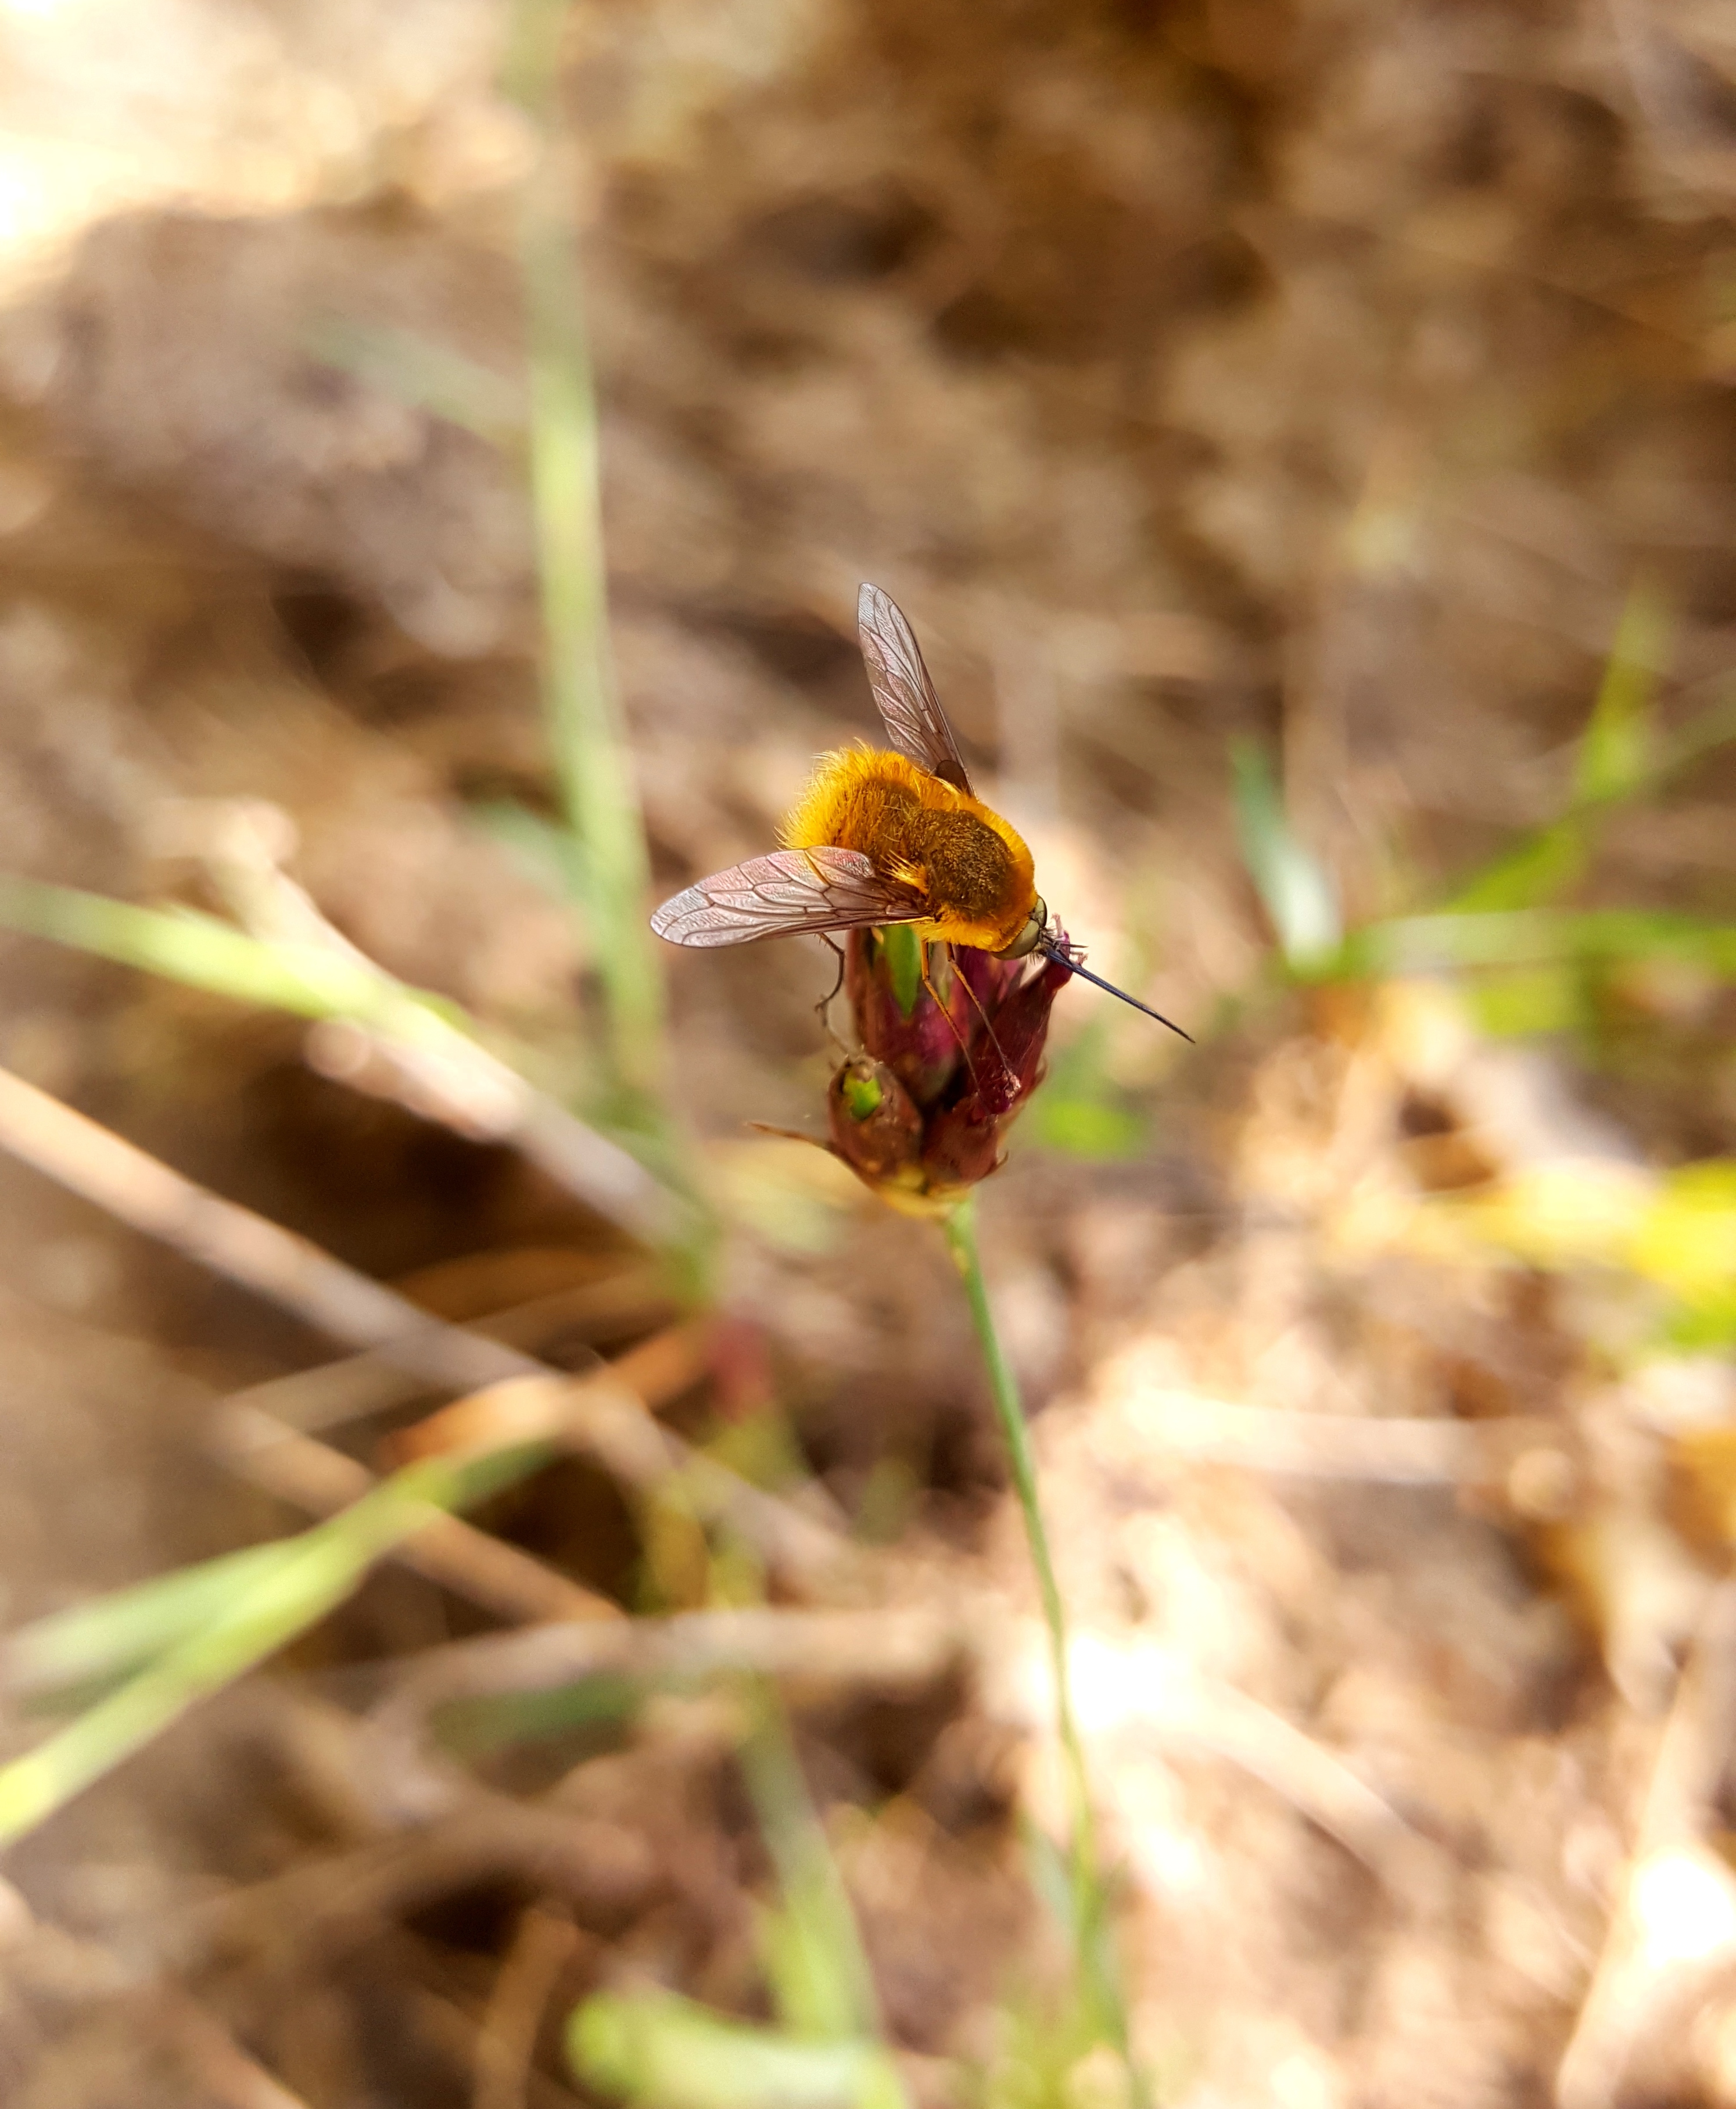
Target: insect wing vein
x=783, y=894
x=902, y=688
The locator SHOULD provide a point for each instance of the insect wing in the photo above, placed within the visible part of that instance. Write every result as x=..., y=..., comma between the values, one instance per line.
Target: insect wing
x=782, y=895
x=902, y=688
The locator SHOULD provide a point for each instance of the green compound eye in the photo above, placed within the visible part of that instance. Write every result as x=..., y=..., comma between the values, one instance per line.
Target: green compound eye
x=1031, y=936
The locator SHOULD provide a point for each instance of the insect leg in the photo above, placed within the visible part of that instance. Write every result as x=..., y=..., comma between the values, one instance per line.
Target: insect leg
x=946, y=1008
x=823, y=1009
x=1000, y=1053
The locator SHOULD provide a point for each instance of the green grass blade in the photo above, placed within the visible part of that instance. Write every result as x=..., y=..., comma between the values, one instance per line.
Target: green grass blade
x=587, y=726
x=1615, y=757
x=88, y=1643
x=1618, y=759
x=1294, y=887
x=414, y=370
x=656, y=2047
x=279, y=1599
x=1539, y=869
x=822, y=1985
x=1429, y=944
x=313, y=981
x=543, y=850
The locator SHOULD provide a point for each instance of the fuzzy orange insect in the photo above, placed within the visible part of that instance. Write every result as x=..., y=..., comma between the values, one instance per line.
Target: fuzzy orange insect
x=881, y=837
x=963, y=862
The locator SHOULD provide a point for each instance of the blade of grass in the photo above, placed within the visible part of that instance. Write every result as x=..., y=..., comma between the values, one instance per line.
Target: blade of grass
x=543, y=849
x=278, y=1599
x=822, y=1985
x=587, y=727
x=607, y=1423
x=1618, y=759
x=313, y=981
x=896, y=1651
x=1293, y=885
x=656, y=2048
x=414, y=370
x=1424, y=944
x=90, y=1643
x=318, y=981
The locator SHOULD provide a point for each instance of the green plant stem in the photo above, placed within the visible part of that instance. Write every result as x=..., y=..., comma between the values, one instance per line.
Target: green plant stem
x=1009, y=1412
x=587, y=726
x=1091, y=1930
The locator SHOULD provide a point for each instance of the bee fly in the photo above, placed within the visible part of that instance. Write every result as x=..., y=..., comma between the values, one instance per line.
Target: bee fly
x=883, y=837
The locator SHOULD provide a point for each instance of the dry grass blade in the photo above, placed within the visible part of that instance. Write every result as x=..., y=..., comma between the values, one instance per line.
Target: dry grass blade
x=75, y=1971
x=483, y=1569
x=274, y=1264
x=312, y=1476
x=356, y=1385
x=228, y=2076
x=463, y=1086
x=890, y=1648
x=602, y=1417
x=370, y=1031
x=1347, y=1446
x=601, y=1870
x=606, y=1421
x=506, y=2044
x=451, y=2026
x=1313, y=1780
x=1139, y=1694
x=902, y=1648
x=1688, y=1899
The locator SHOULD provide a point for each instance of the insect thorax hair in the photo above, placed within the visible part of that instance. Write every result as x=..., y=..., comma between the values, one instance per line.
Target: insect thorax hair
x=974, y=870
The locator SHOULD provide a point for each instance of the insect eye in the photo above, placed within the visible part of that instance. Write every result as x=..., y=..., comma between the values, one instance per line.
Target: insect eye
x=1031, y=936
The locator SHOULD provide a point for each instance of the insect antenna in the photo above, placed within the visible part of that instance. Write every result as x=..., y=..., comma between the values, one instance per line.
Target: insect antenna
x=1063, y=958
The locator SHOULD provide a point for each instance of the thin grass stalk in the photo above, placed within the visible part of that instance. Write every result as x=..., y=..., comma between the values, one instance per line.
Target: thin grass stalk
x=587, y=727
x=282, y=1590
x=447, y=1070
x=834, y=1991
x=1091, y=1930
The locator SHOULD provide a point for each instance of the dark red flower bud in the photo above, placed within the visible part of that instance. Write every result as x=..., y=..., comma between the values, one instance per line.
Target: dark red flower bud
x=953, y=1042
x=876, y=1128
x=921, y=1044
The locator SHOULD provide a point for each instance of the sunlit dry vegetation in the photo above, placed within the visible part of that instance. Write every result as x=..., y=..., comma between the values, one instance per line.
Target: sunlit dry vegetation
x=524, y=1581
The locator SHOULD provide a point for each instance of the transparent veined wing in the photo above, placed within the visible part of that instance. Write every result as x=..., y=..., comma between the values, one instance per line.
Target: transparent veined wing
x=902, y=688
x=782, y=895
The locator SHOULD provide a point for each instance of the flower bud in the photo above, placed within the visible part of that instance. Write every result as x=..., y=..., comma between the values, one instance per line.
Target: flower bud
x=876, y=1128
x=951, y=1052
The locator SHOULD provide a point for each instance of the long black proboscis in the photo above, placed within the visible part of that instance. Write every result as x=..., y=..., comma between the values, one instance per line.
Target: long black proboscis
x=1050, y=950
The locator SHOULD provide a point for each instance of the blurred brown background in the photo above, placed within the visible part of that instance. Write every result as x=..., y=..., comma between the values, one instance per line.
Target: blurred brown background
x=1328, y=378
